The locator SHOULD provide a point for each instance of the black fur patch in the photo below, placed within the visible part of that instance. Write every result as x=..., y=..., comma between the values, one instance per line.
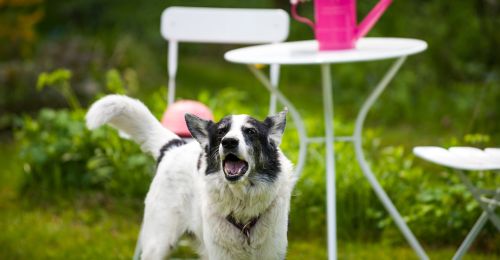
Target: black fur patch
x=265, y=152
x=215, y=133
x=169, y=145
x=198, y=165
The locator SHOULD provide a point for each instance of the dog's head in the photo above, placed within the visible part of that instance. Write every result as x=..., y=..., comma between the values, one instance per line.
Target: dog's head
x=239, y=146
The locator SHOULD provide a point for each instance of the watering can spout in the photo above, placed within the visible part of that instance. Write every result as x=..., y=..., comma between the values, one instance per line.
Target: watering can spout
x=372, y=17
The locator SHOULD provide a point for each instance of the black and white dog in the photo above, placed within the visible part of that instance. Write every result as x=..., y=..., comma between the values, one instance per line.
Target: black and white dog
x=231, y=188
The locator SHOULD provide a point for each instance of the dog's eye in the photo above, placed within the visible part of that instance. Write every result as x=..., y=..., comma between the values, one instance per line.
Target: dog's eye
x=250, y=131
x=221, y=131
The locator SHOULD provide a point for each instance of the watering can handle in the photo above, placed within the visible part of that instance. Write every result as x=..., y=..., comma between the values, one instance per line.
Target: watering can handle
x=297, y=17
x=366, y=25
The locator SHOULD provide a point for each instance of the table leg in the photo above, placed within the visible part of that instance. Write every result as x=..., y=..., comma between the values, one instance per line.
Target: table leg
x=330, y=161
x=299, y=123
x=386, y=201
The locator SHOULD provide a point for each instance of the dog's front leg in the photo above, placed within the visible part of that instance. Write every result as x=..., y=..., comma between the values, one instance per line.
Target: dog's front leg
x=165, y=215
x=160, y=232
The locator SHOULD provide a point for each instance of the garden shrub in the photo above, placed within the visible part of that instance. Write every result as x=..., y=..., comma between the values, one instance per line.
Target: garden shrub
x=60, y=155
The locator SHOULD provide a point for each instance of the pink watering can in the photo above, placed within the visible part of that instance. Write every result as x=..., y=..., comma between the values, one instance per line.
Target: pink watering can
x=336, y=25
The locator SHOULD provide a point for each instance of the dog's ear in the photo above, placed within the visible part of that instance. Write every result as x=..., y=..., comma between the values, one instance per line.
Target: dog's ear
x=198, y=128
x=276, y=124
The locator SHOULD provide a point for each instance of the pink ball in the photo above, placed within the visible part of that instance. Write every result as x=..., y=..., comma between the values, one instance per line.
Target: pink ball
x=173, y=118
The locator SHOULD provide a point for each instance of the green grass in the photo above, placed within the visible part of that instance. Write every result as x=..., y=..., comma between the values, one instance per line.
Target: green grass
x=75, y=233
x=90, y=226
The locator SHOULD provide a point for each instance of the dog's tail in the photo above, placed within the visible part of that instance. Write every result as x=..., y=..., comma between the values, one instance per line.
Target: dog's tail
x=132, y=117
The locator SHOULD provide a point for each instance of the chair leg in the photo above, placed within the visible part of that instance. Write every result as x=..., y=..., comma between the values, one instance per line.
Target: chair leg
x=489, y=208
x=487, y=214
x=172, y=70
x=274, y=75
x=471, y=236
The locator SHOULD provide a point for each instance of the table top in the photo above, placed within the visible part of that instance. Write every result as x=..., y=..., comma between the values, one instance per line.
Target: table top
x=306, y=52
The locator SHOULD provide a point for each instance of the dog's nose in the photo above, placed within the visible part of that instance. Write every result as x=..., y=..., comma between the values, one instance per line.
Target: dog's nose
x=229, y=143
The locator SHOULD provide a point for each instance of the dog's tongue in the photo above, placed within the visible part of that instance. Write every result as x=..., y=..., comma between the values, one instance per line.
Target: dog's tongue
x=233, y=167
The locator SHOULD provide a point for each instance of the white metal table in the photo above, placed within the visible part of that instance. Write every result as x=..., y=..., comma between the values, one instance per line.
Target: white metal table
x=306, y=52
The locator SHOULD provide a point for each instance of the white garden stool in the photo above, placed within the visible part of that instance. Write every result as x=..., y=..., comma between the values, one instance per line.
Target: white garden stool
x=464, y=159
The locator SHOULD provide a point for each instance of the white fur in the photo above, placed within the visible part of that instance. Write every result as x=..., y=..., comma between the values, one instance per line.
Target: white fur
x=235, y=132
x=131, y=117
x=182, y=198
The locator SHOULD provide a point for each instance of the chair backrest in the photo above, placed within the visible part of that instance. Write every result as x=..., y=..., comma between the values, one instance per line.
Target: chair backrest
x=221, y=25
x=224, y=25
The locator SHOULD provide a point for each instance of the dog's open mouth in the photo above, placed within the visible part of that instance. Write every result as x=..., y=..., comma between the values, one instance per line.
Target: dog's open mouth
x=234, y=167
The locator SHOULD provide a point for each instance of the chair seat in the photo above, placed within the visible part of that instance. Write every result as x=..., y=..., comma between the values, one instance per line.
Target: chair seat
x=462, y=158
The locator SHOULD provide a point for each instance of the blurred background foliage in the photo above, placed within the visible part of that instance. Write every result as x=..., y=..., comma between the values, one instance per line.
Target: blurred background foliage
x=58, y=56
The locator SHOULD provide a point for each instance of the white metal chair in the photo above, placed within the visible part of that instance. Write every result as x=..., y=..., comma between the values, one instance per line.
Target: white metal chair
x=222, y=25
x=469, y=159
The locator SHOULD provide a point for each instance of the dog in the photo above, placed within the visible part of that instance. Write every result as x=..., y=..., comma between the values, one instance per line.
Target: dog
x=231, y=188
